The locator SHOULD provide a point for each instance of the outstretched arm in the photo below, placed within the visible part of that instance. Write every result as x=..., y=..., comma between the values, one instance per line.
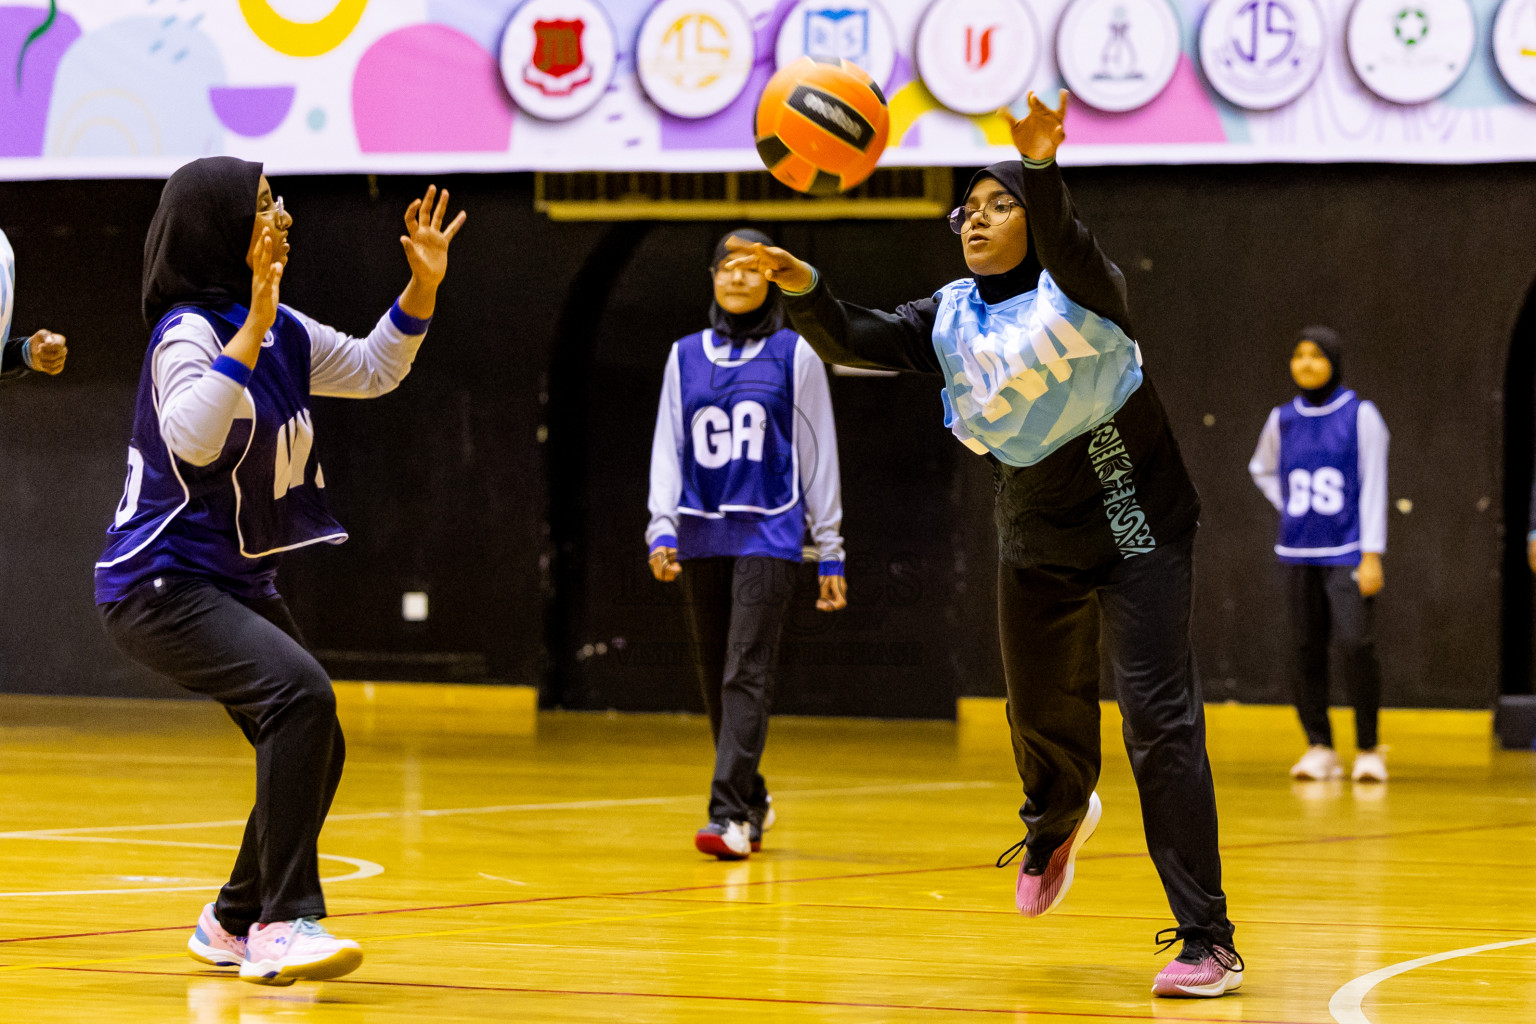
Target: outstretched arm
x=1063, y=243
x=841, y=332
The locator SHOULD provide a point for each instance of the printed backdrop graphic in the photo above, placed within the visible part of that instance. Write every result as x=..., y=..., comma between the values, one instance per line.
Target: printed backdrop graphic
x=126, y=88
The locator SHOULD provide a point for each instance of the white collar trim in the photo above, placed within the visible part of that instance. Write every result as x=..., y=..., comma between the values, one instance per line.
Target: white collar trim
x=1323, y=410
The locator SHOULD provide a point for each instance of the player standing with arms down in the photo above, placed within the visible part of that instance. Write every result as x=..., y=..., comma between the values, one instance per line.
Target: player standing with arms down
x=222, y=477
x=1322, y=462
x=743, y=461
x=1096, y=520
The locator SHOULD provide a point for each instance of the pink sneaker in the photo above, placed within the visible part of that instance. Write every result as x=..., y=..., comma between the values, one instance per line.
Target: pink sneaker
x=284, y=952
x=211, y=944
x=1038, y=895
x=1202, y=971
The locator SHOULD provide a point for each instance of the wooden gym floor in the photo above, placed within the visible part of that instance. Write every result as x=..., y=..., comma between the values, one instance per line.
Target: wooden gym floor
x=497, y=866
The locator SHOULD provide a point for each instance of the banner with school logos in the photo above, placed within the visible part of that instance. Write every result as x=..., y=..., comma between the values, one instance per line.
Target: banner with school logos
x=115, y=88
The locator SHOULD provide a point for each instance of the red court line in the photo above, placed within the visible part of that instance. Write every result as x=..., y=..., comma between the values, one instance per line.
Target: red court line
x=1262, y=844
x=771, y=1000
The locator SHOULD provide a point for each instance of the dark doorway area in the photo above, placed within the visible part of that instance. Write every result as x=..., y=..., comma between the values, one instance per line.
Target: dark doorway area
x=1515, y=721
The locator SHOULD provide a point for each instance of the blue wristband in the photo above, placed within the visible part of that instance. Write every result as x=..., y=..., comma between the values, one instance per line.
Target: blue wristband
x=232, y=368
x=830, y=569
x=408, y=325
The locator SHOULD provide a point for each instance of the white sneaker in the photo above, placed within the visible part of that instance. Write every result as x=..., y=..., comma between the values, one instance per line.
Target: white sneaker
x=1318, y=763
x=1370, y=766
x=284, y=952
x=727, y=840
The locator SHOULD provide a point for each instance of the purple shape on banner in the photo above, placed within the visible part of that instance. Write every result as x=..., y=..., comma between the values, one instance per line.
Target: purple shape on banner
x=732, y=127
x=901, y=74
x=24, y=108
x=430, y=89
x=252, y=111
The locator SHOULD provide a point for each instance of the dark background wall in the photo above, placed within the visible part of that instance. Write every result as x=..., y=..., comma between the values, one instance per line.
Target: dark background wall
x=507, y=476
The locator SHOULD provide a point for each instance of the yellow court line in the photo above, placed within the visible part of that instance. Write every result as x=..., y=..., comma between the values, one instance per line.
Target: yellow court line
x=92, y=963
x=431, y=935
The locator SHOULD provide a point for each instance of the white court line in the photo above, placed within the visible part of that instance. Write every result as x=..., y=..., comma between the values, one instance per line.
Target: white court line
x=362, y=868
x=1346, y=1002
x=445, y=812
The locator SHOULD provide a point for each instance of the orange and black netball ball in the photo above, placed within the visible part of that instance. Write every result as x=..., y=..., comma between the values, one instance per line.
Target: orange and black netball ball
x=821, y=125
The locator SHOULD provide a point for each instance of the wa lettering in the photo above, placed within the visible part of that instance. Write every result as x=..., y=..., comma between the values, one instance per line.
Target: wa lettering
x=295, y=443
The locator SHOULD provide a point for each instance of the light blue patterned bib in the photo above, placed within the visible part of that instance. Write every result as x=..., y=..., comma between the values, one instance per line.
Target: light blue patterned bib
x=1028, y=375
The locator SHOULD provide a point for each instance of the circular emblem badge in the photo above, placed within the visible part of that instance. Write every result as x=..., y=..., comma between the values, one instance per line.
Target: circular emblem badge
x=1514, y=45
x=1410, y=51
x=557, y=57
x=858, y=31
x=977, y=55
x=694, y=56
x=1261, y=54
x=1117, y=55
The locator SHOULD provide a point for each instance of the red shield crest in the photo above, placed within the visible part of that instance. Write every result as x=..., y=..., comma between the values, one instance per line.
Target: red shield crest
x=558, y=64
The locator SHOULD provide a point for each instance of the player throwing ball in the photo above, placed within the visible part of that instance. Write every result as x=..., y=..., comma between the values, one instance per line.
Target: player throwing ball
x=222, y=476
x=1096, y=521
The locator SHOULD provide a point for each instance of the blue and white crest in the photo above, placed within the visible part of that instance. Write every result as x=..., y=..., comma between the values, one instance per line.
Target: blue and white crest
x=837, y=33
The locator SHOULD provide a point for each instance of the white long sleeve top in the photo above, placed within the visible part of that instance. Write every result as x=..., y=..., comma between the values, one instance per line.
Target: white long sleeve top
x=197, y=405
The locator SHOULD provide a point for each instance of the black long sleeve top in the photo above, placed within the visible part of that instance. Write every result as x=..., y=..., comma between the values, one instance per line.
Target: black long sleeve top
x=13, y=361
x=1062, y=511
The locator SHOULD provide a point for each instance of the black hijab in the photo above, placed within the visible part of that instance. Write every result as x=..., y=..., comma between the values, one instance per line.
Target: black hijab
x=757, y=323
x=197, y=243
x=1327, y=340
x=1025, y=277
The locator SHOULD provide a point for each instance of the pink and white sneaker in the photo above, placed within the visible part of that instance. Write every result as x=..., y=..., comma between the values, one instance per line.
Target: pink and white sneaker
x=284, y=952
x=1203, y=970
x=1038, y=895
x=209, y=943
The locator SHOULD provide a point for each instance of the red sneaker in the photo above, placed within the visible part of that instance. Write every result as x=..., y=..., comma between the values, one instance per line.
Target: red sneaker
x=1038, y=895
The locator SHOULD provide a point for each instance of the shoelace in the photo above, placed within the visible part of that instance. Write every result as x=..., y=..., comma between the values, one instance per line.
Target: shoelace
x=1007, y=856
x=1228, y=958
x=309, y=926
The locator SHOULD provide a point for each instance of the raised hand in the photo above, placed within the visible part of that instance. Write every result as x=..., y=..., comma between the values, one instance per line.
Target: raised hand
x=46, y=352
x=777, y=265
x=1039, y=133
x=426, y=240
x=834, y=593
x=266, y=281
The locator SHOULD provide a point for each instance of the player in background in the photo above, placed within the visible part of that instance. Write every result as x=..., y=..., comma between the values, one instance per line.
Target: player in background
x=223, y=476
x=743, y=462
x=1096, y=521
x=1322, y=462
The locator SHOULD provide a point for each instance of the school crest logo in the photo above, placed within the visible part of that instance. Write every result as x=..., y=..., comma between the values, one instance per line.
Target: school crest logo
x=978, y=55
x=1411, y=52
x=694, y=56
x=557, y=65
x=858, y=31
x=557, y=57
x=1514, y=45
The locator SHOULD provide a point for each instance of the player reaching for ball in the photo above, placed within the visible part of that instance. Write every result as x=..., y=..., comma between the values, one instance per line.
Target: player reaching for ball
x=1096, y=520
x=222, y=478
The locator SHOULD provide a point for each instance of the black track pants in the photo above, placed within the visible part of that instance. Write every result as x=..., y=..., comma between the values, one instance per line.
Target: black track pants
x=248, y=656
x=1326, y=609
x=1128, y=623
x=736, y=610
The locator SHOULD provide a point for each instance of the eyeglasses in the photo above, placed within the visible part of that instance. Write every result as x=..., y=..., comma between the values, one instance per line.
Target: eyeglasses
x=994, y=211
x=276, y=209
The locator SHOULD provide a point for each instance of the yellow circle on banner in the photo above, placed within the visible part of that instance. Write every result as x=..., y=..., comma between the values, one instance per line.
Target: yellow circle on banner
x=302, y=38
